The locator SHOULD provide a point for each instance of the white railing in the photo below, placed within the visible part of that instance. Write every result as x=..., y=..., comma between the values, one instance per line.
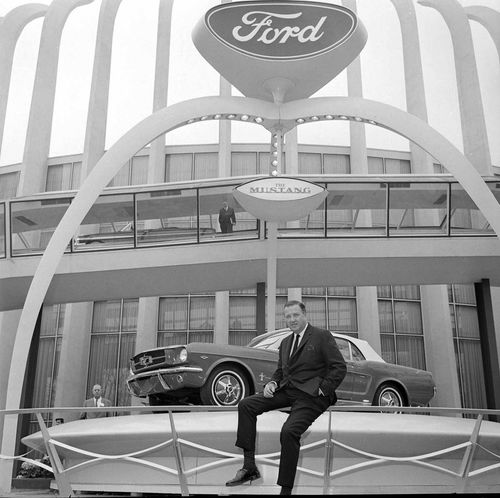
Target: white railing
x=176, y=443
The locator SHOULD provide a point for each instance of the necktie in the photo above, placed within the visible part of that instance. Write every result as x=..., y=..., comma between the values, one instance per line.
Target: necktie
x=295, y=344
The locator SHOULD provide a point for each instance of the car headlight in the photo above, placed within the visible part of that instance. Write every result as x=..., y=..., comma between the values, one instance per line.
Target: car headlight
x=183, y=355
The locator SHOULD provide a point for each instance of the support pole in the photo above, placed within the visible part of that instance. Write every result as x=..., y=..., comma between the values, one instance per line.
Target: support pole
x=488, y=344
x=272, y=240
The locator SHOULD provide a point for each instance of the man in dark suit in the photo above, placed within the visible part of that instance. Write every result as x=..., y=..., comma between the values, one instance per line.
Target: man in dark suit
x=98, y=401
x=227, y=218
x=306, y=378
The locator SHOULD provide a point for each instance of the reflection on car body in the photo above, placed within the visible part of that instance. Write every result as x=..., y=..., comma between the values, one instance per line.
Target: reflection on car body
x=215, y=374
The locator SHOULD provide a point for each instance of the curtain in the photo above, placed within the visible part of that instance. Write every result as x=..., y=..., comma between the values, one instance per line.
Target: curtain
x=59, y=177
x=173, y=313
x=316, y=310
x=243, y=163
x=388, y=347
x=406, y=292
x=178, y=167
x=342, y=315
x=206, y=165
x=464, y=294
x=8, y=185
x=103, y=367
x=336, y=164
x=408, y=318
x=466, y=321
x=385, y=316
x=122, y=177
x=44, y=373
x=242, y=313
x=375, y=165
x=106, y=317
x=341, y=291
x=127, y=350
x=171, y=338
x=139, y=170
x=309, y=163
x=202, y=313
x=76, y=175
x=410, y=351
x=397, y=166
x=240, y=338
x=471, y=373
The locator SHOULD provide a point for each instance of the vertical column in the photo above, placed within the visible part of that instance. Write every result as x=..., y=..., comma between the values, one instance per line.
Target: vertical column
x=366, y=297
x=221, y=327
x=36, y=149
x=438, y=337
x=488, y=343
x=261, y=307
x=74, y=358
x=438, y=343
x=156, y=169
x=11, y=27
x=95, y=133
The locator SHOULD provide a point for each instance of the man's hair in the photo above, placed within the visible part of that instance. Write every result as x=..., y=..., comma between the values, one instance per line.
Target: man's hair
x=298, y=303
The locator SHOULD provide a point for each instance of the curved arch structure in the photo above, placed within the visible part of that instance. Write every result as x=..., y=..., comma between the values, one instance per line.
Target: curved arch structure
x=489, y=18
x=475, y=137
x=11, y=27
x=177, y=115
x=44, y=88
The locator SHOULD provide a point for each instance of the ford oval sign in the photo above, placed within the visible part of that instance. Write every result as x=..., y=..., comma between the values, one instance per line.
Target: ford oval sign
x=279, y=51
x=279, y=198
x=281, y=30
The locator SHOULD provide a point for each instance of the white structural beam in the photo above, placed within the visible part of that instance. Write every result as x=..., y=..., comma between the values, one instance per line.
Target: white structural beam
x=489, y=18
x=475, y=137
x=37, y=143
x=95, y=133
x=11, y=27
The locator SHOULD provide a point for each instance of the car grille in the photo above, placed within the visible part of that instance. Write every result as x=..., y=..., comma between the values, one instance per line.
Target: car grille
x=149, y=360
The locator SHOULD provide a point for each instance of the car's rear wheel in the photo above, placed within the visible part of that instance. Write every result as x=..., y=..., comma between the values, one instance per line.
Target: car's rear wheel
x=388, y=395
x=225, y=386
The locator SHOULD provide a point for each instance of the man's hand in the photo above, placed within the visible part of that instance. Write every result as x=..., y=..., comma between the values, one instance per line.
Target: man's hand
x=269, y=389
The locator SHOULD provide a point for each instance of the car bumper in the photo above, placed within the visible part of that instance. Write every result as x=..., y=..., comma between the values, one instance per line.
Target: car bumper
x=164, y=380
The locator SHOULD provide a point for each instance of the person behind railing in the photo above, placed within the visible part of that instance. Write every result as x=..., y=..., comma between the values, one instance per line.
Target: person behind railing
x=227, y=218
x=96, y=400
x=307, y=375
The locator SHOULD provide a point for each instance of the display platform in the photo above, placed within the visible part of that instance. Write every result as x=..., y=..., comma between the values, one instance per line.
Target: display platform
x=194, y=452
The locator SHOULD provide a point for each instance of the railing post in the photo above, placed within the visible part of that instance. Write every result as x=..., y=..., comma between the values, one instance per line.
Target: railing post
x=328, y=455
x=468, y=457
x=178, y=457
x=63, y=484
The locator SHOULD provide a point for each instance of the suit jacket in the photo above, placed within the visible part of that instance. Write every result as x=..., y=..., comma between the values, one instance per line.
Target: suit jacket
x=317, y=364
x=89, y=403
x=227, y=217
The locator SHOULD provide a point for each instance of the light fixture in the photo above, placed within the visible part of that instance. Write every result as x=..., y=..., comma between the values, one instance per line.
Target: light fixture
x=314, y=118
x=258, y=119
x=231, y=116
x=244, y=117
x=274, y=173
x=300, y=120
x=328, y=116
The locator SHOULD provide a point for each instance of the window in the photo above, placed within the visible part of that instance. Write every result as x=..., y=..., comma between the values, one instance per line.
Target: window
x=112, y=344
x=243, y=163
x=134, y=172
x=333, y=308
x=401, y=329
x=8, y=185
x=206, y=165
x=185, y=319
x=47, y=365
x=383, y=165
x=465, y=328
x=63, y=176
x=178, y=167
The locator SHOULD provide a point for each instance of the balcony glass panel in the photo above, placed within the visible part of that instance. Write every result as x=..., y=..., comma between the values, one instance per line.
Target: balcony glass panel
x=108, y=224
x=33, y=223
x=466, y=219
x=356, y=209
x=211, y=202
x=418, y=209
x=313, y=225
x=167, y=217
x=2, y=231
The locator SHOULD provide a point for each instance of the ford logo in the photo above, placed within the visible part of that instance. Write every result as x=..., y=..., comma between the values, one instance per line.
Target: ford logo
x=281, y=30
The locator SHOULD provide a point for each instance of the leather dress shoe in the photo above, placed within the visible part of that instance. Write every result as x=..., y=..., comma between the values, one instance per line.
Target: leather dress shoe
x=244, y=475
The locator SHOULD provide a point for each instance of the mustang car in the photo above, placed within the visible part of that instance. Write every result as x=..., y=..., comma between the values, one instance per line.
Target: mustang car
x=215, y=374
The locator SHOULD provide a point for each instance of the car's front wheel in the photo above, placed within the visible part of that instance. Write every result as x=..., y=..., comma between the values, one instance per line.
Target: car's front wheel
x=388, y=395
x=225, y=386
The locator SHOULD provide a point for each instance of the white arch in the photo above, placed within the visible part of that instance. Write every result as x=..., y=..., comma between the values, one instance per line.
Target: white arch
x=177, y=115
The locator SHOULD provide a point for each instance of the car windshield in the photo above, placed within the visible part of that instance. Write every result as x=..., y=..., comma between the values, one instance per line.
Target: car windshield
x=271, y=342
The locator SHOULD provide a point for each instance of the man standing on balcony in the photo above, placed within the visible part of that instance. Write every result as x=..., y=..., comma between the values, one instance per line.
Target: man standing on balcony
x=227, y=218
x=310, y=368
